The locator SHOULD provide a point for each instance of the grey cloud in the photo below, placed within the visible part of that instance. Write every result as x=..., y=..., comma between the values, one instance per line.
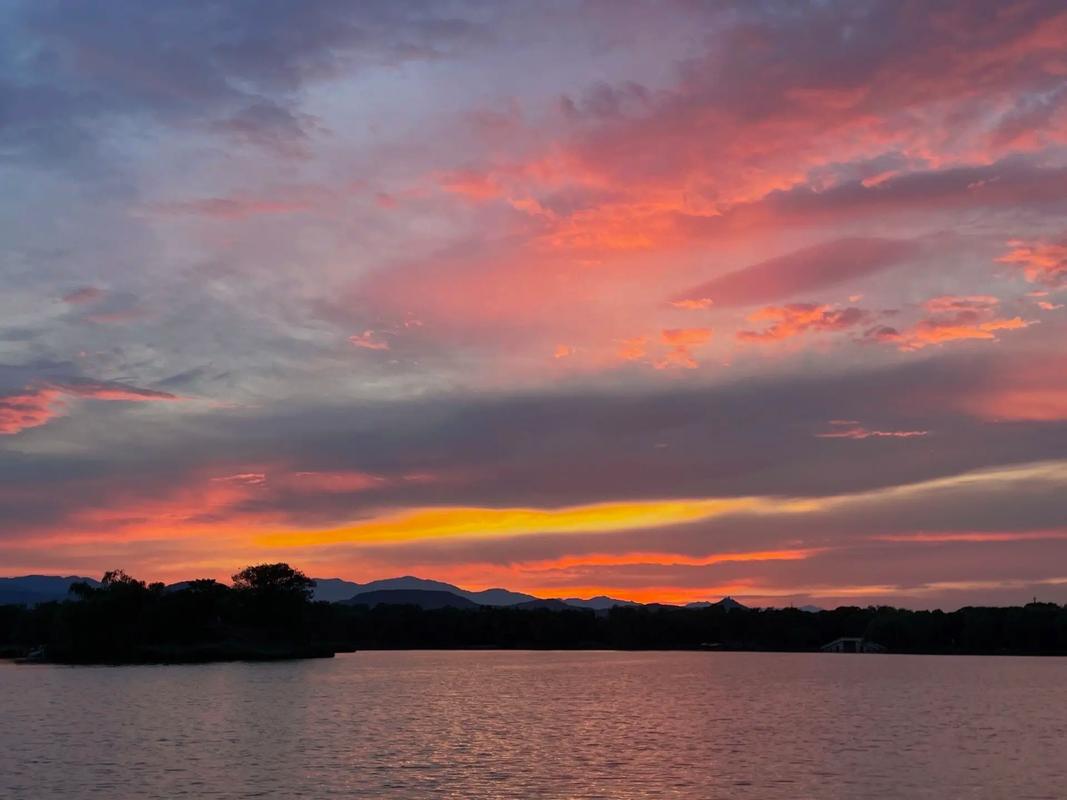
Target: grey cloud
x=238, y=67
x=749, y=438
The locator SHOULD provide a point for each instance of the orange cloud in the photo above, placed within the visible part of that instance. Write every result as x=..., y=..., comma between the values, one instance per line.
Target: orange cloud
x=681, y=341
x=449, y=521
x=798, y=318
x=686, y=337
x=633, y=349
x=693, y=304
x=962, y=326
x=954, y=319
x=1044, y=263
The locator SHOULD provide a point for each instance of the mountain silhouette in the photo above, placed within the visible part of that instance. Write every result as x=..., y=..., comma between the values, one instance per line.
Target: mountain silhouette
x=553, y=604
x=599, y=603
x=427, y=599
x=334, y=589
x=33, y=589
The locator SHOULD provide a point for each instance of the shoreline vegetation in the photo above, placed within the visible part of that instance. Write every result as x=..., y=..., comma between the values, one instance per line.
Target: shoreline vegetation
x=268, y=614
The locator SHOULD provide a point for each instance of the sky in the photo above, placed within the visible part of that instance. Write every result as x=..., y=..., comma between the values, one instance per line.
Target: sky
x=660, y=300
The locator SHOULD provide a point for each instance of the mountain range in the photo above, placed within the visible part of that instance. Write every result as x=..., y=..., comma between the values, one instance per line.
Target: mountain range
x=337, y=590
x=32, y=589
x=408, y=590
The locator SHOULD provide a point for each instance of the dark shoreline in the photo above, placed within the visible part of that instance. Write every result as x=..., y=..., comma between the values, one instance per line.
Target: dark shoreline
x=170, y=656
x=124, y=621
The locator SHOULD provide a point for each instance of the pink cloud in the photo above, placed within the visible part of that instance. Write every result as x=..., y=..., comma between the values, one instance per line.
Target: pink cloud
x=37, y=405
x=952, y=303
x=1044, y=263
x=1021, y=390
x=851, y=429
x=86, y=294
x=369, y=340
x=29, y=409
x=118, y=316
x=814, y=267
x=470, y=184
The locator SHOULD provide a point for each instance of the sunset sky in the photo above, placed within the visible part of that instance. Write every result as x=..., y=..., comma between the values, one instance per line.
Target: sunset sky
x=660, y=300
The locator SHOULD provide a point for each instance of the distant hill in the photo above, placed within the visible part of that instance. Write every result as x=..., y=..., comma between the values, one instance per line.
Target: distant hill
x=497, y=597
x=32, y=589
x=727, y=603
x=598, y=603
x=427, y=599
x=553, y=604
x=334, y=590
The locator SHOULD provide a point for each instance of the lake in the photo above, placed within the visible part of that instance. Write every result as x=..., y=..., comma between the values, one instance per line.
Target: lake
x=508, y=724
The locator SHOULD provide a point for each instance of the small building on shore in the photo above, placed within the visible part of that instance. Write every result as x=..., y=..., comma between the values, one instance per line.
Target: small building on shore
x=852, y=644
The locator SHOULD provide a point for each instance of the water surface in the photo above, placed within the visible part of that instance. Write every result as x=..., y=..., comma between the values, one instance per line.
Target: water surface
x=540, y=725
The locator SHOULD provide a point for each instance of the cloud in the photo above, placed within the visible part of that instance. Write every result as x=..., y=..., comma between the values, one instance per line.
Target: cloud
x=952, y=304
x=235, y=70
x=633, y=349
x=954, y=318
x=796, y=319
x=236, y=207
x=100, y=390
x=851, y=429
x=1023, y=390
x=37, y=405
x=775, y=162
x=681, y=342
x=805, y=270
x=1043, y=263
x=470, y=184
x=369, y=340
x=86, y=294
x=686, y=337
x=695, y=304
x=959, y=327
x=29, y=409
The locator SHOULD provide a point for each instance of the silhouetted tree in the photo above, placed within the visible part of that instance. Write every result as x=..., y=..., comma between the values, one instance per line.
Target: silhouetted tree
x=277, y=579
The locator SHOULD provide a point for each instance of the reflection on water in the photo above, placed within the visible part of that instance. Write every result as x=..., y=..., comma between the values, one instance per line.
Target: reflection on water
x=541, y=725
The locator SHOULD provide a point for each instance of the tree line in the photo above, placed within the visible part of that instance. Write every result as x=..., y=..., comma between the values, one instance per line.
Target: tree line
x=268, y=612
